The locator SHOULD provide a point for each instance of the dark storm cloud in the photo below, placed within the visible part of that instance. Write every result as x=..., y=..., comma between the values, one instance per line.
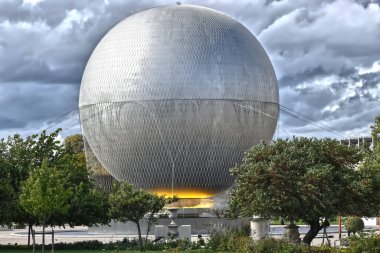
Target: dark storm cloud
x=318, y=51
x=349, y=106
x=45, y=48
x=50, y=42
x=321, y=50
x=371, y=80
x=25, y=103
x=366, y=3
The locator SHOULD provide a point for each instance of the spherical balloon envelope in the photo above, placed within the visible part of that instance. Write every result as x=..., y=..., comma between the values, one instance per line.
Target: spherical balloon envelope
x=173, y=96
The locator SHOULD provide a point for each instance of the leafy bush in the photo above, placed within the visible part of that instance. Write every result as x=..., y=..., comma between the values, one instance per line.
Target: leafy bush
x=94, y=244
x=354, y=224
x=364, y=244
x=151, y=246
x=245, y=230
x=177, y=244
x=235, y=240
x=270, y=245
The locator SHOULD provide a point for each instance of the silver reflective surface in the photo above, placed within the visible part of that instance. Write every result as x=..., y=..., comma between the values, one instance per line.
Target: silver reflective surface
x=172, y=97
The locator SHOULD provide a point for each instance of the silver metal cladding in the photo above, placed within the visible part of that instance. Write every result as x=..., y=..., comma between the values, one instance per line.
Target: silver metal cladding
x=172, y=97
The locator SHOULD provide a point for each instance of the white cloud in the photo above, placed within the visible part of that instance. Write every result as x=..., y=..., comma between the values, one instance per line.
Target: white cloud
x=375, y=67
x=31, y=2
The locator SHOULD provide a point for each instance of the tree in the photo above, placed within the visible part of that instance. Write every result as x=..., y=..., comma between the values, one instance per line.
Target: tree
x=155, y=204
x=6, y=189
x=74, y=144
x=376, y=136
x=87, y=205
x=18, y=157
x=371, y=164
x=353, y=224
x=44, y=195
x=308, y=179
x=14, y=168
x=129, y=204
x=7, y=202
x=373, y=156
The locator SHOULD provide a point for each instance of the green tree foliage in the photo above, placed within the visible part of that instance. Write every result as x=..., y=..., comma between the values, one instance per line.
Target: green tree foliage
x=129, y=204
x=363, y=244
x=307, y=179
x=44, y=195
x=18, y=157
x=7, y=201
x=353, y=224
x=156, y=204
x=373, y=156
x=376, y=136
x=74, y=144
x=6, y=190
x=87, y=205
x=370, y=167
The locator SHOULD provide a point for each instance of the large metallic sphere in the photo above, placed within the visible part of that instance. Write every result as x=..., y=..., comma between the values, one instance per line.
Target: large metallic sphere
x=173, y=96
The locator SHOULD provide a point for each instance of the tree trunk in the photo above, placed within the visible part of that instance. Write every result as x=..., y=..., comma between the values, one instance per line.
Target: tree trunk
x=313, y=232
x=52, y=240
x=29, y=230
x=43, y=236
x=34, y=240
x=140, y=238
x=147, y=230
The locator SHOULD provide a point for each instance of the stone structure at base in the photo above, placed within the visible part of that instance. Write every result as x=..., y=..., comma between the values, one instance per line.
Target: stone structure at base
x=198, y=226
x=160, y=231
x=259, y=228
x=173, y=227
x=291, y=233
x=184, y=231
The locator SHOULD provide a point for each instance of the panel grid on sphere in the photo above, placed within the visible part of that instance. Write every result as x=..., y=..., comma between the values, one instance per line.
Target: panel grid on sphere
x=188, y=144
x=173, y=96
x=178, y=52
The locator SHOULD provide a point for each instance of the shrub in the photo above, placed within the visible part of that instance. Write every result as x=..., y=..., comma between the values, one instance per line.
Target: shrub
x=270, y=245
x=354, y=224
x=235, y=240
x=364, y=244
x=95, y=244
x=150, y=246
x=217, y=240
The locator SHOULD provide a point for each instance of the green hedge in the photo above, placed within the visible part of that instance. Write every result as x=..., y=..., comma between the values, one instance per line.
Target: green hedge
x=364, y=244
x=227, y=241
x=354, y=224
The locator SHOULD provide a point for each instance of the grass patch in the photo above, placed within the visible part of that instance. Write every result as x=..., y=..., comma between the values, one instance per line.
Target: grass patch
x=100, y=251
x=69, y=251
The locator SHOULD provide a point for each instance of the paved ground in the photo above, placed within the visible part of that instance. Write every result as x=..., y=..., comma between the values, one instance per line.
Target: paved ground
x=20, y=236
x=68, y=234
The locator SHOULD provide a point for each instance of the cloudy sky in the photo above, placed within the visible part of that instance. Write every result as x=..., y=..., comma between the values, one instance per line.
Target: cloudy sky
x=326, y=55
